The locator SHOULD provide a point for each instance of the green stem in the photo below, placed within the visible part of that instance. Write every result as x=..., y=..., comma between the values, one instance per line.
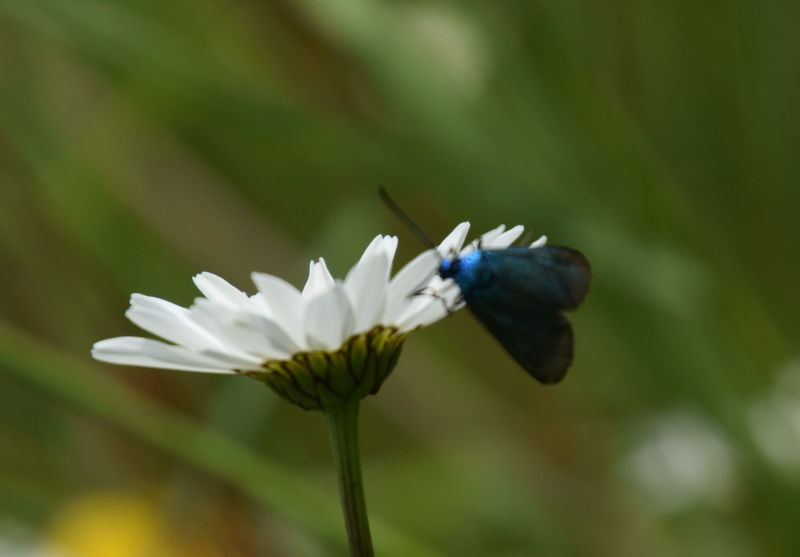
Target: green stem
x=343, y=424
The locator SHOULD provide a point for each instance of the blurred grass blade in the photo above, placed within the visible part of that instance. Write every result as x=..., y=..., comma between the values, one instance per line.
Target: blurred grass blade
x=66, y=378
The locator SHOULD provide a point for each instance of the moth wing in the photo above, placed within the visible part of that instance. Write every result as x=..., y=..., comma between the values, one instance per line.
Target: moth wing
x=540, y=341
x=553, y=276
x=521, y=299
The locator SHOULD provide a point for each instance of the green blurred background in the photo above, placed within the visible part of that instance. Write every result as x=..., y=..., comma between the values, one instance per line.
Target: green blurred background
x=144, y=141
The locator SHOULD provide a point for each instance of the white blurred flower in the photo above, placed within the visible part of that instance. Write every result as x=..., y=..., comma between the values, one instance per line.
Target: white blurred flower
x=682, y=459
x=453, y=43
x=774, y=420
x=291, y=339
x=17, y=541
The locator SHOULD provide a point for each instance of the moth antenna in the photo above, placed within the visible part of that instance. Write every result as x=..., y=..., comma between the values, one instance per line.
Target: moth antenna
x=527, y=238
x=406, y=219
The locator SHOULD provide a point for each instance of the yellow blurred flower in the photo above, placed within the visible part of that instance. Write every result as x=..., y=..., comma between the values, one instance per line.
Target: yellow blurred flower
x=120, y=524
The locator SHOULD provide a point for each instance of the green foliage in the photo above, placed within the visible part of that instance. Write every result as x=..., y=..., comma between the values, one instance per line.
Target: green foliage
x=141, y=142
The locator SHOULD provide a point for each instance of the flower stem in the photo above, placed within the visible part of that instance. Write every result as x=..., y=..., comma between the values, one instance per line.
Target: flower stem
x=343, y=424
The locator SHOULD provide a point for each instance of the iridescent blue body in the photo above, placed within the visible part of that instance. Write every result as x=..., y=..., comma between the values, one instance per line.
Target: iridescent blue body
x=520, y=294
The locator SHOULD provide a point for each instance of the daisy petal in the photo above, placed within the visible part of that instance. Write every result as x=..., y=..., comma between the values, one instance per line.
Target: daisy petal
x=439, y=298
x=247, y=334
x=284, y=301
x=319, y=280
x=540, y=242
x=366, y=285
x=415, y=275
x=168, y=321
x=389, y=246
x=146, y=352
x=328, y=319
x=425, y=314
x=507, y=238
x=220, y=291
x=488, y=237
x=453, y=242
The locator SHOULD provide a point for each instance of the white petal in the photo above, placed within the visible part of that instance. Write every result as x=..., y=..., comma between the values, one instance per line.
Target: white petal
x=485, y=240
x=247, y=334
x=383, y=245
x=424, y=315
x=415, y=275
x=146, y=352
x=260, y=339
x=319, y=280
x=453, y=242
x=366, y=284
x=431, y=306
x=259, y=305
x=284, y=301
x=328, y=319
x=373, y=248
x=168, y=321
x=540, y=242
x=267, y=338
x=389, y=246
x=506, y=238
x=488, y=237
x=220, y=291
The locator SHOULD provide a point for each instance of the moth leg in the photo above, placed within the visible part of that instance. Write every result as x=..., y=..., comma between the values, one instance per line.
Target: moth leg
x=439, y=296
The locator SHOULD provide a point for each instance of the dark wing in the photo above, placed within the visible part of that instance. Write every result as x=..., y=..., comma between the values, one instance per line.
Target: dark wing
x=541, y=342
x=520, y=298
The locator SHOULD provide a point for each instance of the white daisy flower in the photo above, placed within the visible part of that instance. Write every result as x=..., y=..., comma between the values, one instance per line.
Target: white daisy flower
x=333, y=341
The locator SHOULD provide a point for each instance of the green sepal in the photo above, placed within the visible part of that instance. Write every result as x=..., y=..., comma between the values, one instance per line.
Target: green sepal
x=320, y=379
